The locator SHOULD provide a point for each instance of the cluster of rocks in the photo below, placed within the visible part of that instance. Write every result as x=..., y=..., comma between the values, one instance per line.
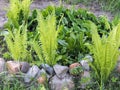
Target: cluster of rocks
x=58, y=77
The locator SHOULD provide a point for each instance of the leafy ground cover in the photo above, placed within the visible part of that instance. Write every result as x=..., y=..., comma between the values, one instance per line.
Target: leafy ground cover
x=63, y=36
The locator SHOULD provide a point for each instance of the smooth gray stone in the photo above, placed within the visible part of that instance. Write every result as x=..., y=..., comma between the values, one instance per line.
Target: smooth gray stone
x=24, y=67
x=48, y=69
x=85, y=64
x=60, y=71
x=31, y=74
x=61, y=84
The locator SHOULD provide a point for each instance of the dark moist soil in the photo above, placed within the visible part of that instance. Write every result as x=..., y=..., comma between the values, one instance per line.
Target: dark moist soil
x=40, y=4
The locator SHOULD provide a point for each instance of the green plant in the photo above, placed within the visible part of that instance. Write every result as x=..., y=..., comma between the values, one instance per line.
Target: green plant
x=7, y=56
x=46, y=48
x=109, y=5
x=18, y=21
x=113, y=82
x=32, y=24
x=116, y=20
x=76, y=31
x=2, y=45
x=17, y=43
x=76, y=71
x=18, y=13
x=105, y=51
x=16, y=83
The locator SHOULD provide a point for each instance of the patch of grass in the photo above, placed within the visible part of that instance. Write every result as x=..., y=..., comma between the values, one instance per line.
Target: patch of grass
x=11, y=82
x=110, y=5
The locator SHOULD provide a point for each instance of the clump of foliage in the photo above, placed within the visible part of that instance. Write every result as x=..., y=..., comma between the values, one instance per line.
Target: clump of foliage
x=17, y=43
x=17, y=27
x=46, y=47
x=18, y=13
x=32, y=24
x=76, y=31
x=105, y=51
x=7, y=55
x=15, y=83
x=2, y=45
x=76, y=71
x=49, y=42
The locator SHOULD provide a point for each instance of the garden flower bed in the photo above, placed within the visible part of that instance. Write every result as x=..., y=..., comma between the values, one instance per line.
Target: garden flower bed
x=58, y=49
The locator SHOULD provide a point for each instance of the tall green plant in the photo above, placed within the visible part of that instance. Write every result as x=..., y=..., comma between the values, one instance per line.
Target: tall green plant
x=17, y=38
x=18, y=12
x=105, y=51
x=25, y=7
x=46, y=49
x=13, y=12
x=17, y=43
